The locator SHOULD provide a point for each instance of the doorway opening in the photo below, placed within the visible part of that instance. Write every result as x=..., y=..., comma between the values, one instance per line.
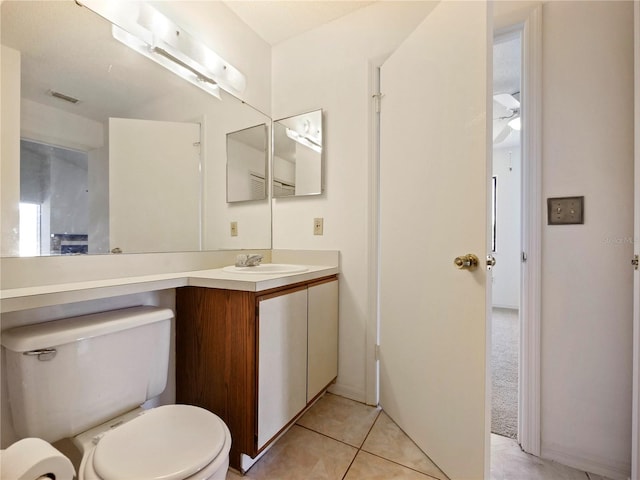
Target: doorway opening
x=506, y=233
x=54, y=200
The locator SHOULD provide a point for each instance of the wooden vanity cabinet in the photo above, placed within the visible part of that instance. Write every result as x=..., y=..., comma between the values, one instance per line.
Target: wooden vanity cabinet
x=256, y=359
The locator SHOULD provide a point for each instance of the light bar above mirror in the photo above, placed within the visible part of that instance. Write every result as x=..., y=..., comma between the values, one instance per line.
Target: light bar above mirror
x=145, y=30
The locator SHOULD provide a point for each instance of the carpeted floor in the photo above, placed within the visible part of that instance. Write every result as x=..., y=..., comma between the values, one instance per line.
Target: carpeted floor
x=505, y=337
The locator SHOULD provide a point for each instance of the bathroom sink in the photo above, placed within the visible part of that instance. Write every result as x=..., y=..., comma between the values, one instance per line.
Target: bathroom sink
x=267, y=268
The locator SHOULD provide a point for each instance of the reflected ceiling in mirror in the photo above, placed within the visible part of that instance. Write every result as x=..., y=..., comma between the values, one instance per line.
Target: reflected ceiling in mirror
x=74, y=76
x=297, y=155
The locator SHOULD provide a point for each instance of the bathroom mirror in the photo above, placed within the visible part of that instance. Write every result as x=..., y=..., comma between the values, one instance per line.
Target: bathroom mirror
x=74, y=78
x=247, y=161
x=297, y=155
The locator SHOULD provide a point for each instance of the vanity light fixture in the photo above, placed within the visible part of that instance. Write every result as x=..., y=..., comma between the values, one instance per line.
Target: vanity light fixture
x=145, y=30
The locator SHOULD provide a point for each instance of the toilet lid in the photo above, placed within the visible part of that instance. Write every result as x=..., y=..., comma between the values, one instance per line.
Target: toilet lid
x=165, y=443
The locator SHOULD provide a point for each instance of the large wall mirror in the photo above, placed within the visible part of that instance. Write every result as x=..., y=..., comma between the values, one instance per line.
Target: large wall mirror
x=113, y=152
x=297, y=155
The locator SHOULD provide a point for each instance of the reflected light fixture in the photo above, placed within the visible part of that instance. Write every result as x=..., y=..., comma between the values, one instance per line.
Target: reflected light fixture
x=306, y=140
x=515, y=123
x=148, y=32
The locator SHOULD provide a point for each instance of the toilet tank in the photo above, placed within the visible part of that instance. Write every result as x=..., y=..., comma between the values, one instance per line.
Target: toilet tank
x=66, y=376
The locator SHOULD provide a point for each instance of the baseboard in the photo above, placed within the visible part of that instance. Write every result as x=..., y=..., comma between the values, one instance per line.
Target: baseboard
x=347, y=392
x=588, y=463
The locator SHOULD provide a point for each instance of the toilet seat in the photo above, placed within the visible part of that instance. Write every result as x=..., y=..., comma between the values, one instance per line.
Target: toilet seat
x=172, y=442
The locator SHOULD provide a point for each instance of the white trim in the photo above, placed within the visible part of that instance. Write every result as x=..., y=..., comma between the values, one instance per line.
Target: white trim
x=529, y=22
x=529, y=419
x=635, y=410
x=373, y=246
x=489, y=235
x=591, y=463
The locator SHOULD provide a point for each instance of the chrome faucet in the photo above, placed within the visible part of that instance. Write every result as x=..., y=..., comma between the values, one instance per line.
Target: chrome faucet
x=249, y=260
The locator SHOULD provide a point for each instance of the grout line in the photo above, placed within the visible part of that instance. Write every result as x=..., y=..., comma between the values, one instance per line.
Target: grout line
x=404, y=466
x=363, y=440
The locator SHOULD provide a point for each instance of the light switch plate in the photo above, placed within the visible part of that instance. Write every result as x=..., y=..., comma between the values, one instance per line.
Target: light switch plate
x=565, y=211
x=234, y=229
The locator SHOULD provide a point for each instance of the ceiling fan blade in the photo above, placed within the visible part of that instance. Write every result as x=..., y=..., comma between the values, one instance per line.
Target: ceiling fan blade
x=501, y=130
x=507, y=100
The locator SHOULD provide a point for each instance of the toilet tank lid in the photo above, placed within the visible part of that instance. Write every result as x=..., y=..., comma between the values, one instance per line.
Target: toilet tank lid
x=68, y=330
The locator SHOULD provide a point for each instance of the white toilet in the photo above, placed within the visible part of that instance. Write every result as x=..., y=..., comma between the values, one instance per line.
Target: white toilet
x=86, y=377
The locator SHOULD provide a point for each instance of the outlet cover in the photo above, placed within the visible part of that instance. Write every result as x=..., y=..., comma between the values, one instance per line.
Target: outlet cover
x=565, y=211
x=234, y=229
x=318, y=226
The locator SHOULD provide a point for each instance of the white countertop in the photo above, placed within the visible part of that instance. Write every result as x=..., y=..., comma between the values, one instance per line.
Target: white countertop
x=46, y=295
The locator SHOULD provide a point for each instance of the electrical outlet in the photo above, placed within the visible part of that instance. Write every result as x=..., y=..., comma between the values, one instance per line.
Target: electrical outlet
x=565, y=211
x=234, y=229
x=318, y=224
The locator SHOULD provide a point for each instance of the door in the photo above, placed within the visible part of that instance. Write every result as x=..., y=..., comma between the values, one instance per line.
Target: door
x=434, y=177
x=635, y=428
x=154, y=185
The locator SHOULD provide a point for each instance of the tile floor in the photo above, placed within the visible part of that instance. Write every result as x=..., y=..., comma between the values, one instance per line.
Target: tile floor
x=345, y=440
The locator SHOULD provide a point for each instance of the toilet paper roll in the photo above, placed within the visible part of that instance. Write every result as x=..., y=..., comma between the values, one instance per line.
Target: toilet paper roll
x=34, y=459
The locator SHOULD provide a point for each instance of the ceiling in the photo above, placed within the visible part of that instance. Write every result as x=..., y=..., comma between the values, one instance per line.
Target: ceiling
x=275, y=20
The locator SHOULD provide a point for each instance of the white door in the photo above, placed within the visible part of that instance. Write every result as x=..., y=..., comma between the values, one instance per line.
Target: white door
x=434, y=177
x=154, y=186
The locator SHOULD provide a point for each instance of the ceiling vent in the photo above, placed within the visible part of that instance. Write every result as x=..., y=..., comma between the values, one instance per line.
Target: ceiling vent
x=64, y=97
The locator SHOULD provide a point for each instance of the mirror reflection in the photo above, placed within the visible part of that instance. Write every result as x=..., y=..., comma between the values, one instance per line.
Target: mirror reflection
x=74, y=185
x=297, y=155
x=247, y=164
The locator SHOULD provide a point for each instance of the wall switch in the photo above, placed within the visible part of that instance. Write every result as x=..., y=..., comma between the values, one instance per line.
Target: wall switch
x=565, y=211
x=234, y=229
x=318, y=224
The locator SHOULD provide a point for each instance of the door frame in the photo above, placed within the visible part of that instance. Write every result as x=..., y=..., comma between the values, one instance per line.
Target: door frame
x=635, y=409
x=529, y=23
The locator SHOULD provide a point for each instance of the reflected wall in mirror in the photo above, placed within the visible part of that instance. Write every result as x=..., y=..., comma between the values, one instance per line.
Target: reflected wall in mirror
x=65, y=77
x=247, y=161
x=297, y=155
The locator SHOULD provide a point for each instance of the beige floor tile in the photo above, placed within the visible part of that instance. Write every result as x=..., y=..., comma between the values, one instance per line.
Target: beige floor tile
x=340, y=418
x=303, y=454
x=388, y=441
x=370, y=467
x=509, y=462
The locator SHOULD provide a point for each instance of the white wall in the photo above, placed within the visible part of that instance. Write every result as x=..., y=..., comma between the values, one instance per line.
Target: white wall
x=10, y=150
x=506, y=273
x=586, y=275
x=330, y=68
x=45, y=124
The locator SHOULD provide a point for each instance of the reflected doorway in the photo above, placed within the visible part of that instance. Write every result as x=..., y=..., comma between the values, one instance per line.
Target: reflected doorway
x=54, y=200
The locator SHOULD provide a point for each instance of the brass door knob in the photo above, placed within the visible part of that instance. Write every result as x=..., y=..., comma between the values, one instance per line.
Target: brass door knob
x=466, y=262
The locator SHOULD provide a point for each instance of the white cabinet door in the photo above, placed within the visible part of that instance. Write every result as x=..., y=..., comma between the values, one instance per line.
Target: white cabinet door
x=282, y=362
x=323, y=336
